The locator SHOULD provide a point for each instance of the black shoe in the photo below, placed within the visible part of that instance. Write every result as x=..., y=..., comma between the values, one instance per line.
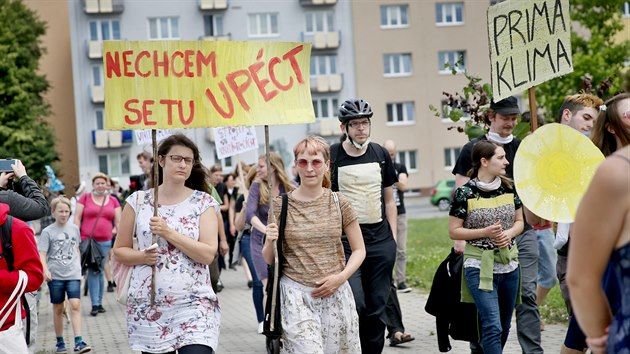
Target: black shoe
x=94, y=311
x=219, y=286
x=403, y=288
x=110, y=287
x=101, y=309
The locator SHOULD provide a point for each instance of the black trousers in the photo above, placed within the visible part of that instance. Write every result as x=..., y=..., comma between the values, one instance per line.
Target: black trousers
x=393, y=314
x=371, y=287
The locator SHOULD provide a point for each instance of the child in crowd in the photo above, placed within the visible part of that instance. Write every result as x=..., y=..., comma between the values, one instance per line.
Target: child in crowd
x=59, y=251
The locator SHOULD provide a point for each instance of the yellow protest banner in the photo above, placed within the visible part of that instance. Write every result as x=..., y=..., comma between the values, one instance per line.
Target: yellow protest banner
x=186, y=84
x=530, y=43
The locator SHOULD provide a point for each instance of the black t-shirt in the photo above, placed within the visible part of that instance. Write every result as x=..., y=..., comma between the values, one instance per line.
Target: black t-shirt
x=362, y=179
x=239, y=203
x=464, y=160
x=222, y=192
x=399, y=196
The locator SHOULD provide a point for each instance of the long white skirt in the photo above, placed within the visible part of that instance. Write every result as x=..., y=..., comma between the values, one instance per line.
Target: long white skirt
x=313, y=326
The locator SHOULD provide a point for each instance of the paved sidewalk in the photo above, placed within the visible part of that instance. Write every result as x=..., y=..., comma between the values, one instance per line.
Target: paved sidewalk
x=106, y=333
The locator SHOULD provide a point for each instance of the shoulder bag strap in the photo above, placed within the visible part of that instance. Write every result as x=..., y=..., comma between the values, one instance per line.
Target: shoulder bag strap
x=100, y=211
x=139, y=203
x=282, y=225
x=14, y=299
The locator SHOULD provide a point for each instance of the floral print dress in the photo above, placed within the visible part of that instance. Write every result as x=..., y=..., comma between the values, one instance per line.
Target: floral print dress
x=186, y=309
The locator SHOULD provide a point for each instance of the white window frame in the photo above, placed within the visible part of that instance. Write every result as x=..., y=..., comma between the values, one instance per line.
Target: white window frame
x=402, y=113
x=394, y=13
x=404, y=157
x=451, y=57
x=97, y=69
x=255, y=25
x=326, y=62
x=99, y=115
x=626, y=9
x=172, y=28
x=453, y=155
x=320, y=21
x=446, y=119
x=122, y=167
x=397, y=58
x=449, y=8
x=216, y=23
x=99, y=30
x=331, y=105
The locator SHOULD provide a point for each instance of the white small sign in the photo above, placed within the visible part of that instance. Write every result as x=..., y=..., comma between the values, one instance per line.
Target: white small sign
x=230, y=141
x=144, y=136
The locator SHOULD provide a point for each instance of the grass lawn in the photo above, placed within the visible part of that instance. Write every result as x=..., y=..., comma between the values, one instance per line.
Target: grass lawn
x=428, y=245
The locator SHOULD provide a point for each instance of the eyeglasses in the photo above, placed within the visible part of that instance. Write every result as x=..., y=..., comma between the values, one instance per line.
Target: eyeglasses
x=178, y=159
x=359, y=124
x=315, y=163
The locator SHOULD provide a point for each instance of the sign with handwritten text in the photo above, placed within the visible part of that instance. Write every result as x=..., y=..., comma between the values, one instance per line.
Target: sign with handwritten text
x=530, y=43
x=186, y=84
x=144, y=136
x=230, y=141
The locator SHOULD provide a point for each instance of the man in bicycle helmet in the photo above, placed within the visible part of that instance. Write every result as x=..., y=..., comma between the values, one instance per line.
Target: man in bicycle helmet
x=355, y=114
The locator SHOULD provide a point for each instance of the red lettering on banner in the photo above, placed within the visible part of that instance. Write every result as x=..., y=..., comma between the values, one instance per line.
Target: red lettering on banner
x=147, y=113
x=127, y=63
x=239, y=89
x=143, y=53
x=112, y=64
x=173, y=56
x=272, y=75
x=135, y=111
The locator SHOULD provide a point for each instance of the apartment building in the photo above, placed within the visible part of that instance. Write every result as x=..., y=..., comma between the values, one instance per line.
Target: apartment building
x=325, y=23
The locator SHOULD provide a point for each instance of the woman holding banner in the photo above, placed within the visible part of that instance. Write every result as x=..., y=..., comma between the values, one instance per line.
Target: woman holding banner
x=185, y=316
x=317, y=305
x=601, y=234
x=258, y=205
x=487, y=213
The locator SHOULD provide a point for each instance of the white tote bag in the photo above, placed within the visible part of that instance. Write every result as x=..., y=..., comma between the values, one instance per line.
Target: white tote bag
x=12, y=340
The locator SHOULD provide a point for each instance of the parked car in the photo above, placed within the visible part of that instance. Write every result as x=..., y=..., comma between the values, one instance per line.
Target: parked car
x=442, y=194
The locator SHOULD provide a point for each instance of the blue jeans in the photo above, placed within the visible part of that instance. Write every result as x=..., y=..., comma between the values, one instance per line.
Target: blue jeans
x=257, y=288
x=495, y=307
x=547, y=259
x=59, y=288
x=96, y=281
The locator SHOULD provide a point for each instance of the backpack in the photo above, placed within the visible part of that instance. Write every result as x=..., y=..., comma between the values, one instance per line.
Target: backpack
x=7, y=253
x=334, y=152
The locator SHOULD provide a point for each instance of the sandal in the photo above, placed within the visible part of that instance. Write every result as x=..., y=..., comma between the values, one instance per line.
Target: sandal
x=400, y=338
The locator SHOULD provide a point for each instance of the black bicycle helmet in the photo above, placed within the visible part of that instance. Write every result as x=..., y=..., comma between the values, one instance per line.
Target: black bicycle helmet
x=354, y=108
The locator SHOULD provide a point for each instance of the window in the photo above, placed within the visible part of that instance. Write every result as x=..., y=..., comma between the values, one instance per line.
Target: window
x=319, y=22
x=116, y=164
x=454, y=59
x=400, y=113
x=626, y=9
x=262, y=25
x=97, y=75
x=446, y=113
x=100, y=122
x=449, y=13
x=326, y=107
x=323, y=65
x=397, y=64
x=104, y=30
x=394, y=16
x=450, y=157
x=408, y=158
x=213, y=25
x=164, y=28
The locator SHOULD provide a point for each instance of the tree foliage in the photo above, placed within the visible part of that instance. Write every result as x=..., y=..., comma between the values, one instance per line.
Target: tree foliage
x=24, y=134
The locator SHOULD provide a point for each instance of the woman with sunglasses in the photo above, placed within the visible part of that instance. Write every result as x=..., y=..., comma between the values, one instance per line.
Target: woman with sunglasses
x=600, y=238
x=185, y=316
x=317, y=305
x=487, y=213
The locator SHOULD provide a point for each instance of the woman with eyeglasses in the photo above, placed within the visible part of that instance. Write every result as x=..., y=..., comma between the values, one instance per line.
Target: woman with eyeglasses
x=317, y=305
x=185, y=316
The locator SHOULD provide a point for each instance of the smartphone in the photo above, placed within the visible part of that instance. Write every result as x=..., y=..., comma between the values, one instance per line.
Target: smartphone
x=152, y=247
x=5, y=165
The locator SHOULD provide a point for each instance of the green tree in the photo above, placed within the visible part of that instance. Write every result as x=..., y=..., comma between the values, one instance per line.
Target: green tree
x=598, y=54
x=24, y=134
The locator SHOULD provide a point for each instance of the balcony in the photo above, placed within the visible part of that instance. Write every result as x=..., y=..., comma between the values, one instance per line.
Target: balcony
x=326, y=83
x=323, y=40
x=225, y=37
x=324, y=127
x=109, y=139
x=317, y=2
x=95, y=49
x=103, y=6
x=212, y=5
x=97, y=93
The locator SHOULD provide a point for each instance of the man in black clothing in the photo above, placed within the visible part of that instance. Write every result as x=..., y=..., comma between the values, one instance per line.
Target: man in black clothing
x=364, y=173
x=501, y=117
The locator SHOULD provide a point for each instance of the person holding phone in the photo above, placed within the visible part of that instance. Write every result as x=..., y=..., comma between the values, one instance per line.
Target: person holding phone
x=27, y=202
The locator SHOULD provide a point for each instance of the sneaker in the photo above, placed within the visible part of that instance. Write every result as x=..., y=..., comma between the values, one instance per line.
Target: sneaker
x=403, y=288
x=60, y=348
x=81, y=347
x=219, y=286
x=260, y=327
x=101, y=309
x=94, y=311
x=110, y=287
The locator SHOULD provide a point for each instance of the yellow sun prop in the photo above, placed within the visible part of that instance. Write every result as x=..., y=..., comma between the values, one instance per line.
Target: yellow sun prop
x=552, y=170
